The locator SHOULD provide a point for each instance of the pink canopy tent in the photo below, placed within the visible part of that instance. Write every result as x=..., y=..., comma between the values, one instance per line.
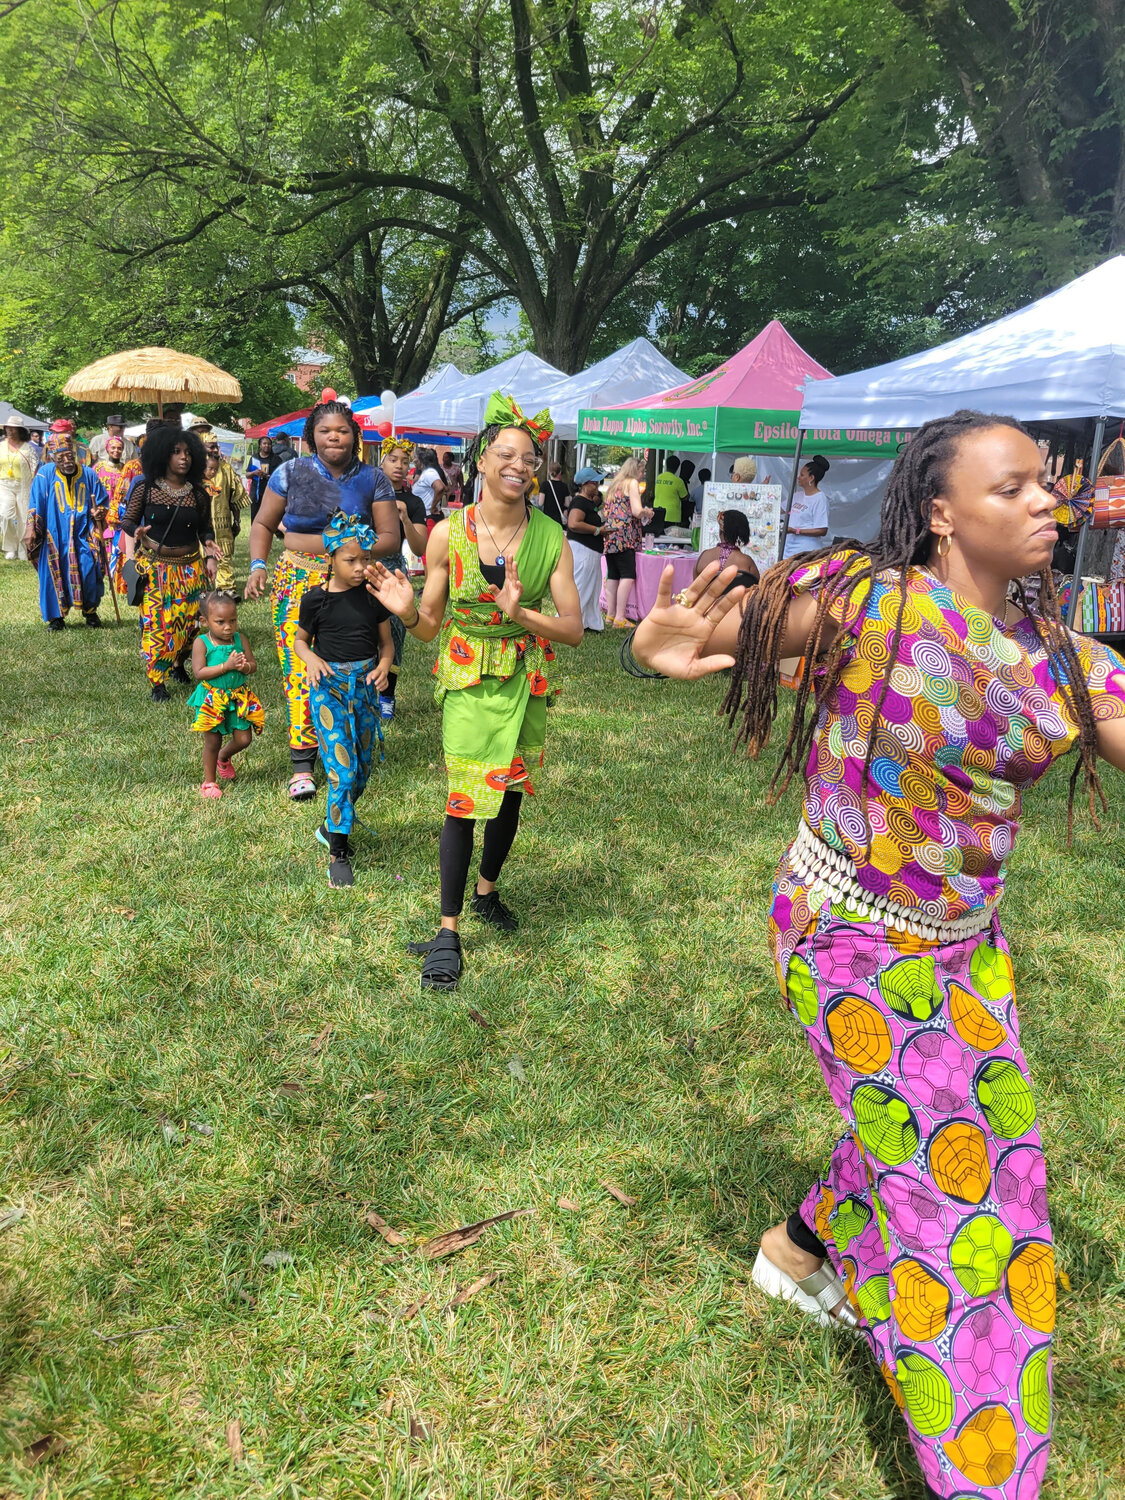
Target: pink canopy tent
x=751, y=403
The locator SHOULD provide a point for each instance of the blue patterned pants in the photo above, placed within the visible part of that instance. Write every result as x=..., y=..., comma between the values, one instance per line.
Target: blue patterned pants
x=345, y=715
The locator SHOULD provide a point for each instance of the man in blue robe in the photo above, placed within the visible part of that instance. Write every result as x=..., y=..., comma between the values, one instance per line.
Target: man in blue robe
x=60, y=535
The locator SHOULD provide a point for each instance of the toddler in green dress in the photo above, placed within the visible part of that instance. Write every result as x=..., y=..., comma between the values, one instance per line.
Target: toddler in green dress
x=221, y=660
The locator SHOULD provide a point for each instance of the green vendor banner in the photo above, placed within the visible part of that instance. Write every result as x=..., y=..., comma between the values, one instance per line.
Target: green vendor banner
x=729, y=429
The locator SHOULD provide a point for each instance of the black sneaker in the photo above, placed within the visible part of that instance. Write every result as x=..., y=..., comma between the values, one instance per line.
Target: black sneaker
x=492, y=910
x=56, y=624
x=178, y=674
x=340, y=865
x=160, y=694
x=94, y=621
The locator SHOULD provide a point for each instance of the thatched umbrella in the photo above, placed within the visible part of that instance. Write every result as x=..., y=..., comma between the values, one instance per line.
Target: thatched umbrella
x=153, y=375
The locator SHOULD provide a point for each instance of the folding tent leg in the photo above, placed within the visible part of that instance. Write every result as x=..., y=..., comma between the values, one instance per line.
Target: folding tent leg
x=783, y=529
x=1080, y=550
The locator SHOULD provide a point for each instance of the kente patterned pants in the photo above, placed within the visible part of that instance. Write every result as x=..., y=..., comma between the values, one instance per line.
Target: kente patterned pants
x=345, y=710
x=933, y=1205
x=295, y=573
x=170, y=613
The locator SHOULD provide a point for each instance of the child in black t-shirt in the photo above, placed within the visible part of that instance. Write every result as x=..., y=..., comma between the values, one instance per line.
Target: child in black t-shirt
x=344, y=639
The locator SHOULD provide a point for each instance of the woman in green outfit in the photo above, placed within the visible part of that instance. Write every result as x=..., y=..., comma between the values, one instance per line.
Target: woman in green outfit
x=488, y=568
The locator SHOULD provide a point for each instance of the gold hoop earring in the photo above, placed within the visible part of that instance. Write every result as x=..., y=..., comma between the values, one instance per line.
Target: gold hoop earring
x=944, y=544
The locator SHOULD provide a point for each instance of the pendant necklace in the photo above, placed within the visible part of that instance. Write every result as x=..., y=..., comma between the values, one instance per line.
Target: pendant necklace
x=500, y=560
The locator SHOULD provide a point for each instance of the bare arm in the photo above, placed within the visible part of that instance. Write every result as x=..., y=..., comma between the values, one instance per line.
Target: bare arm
x=700, y=635
x=416, y=537
x=315, y=665
x=635, y=499
x=576, y=521
x=262, y=533
x=393, y=590
x=200, y=670
x=1111, y=742
x=384, y=519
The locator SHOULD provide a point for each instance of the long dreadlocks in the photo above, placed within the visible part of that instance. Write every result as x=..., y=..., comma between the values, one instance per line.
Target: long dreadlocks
x=904, y=540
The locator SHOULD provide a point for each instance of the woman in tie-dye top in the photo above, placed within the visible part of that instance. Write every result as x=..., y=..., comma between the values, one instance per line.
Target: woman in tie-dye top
x=937, y=703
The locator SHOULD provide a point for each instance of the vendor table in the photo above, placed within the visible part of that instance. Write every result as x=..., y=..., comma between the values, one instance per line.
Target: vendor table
x=650, y=565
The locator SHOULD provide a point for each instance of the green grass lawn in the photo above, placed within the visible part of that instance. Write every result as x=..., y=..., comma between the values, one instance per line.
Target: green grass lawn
x=170, y=964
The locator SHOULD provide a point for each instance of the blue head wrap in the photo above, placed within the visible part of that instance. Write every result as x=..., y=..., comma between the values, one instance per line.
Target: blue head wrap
x=342, y=528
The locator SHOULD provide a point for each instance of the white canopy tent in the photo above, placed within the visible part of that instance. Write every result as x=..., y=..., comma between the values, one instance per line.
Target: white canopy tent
x=441, y=379
x=459, y=408
x=1060, y=360
x=632, y=372
x=1062, y=357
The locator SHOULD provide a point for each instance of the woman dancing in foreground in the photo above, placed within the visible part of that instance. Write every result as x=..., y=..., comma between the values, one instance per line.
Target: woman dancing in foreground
x=937, y=703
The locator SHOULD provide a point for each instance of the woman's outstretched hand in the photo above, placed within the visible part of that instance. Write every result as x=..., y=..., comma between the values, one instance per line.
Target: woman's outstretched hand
x=673, y=637
x=394, y=591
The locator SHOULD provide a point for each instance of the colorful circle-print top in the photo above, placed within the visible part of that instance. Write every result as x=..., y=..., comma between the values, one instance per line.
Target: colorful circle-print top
x=972, y=717
x=479, y=641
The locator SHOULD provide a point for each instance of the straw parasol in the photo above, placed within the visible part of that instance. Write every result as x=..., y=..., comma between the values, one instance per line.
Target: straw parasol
x=152, y=375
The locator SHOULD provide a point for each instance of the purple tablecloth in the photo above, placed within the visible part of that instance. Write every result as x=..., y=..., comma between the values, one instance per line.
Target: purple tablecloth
x=650, y=565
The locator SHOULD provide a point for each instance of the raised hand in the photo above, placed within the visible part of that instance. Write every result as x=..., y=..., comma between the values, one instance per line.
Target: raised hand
x=394, y=591
x=673, y=637
x=508, y=596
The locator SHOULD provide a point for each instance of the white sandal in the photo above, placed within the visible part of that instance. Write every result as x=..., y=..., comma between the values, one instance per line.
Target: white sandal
x=816, y=1295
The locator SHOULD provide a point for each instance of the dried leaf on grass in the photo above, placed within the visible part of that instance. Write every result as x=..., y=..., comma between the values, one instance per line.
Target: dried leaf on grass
x=412, y=1309
x=380, y=1225
x=320, y=1040
x=462, y=1295
x=200, y=1128
x=516, y=1069
x=274, y=1258
x=475, y=1015
x=11, y=1216
x=615, y=1192
x=389, y=1405
x=569, y=1204
x=421, y=1432
x=454, y=1240
x=289, y=1088
x=43, y=1448
x=234, y=1440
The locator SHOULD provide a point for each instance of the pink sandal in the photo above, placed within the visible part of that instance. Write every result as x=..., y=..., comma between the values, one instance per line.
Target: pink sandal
x=210, y=790
x=226, y=770
x=301, y=787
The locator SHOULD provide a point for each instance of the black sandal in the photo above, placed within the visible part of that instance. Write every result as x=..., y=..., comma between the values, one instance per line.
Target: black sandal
x=442, y=968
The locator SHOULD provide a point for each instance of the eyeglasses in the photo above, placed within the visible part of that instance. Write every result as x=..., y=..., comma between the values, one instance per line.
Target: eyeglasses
x=507, y=456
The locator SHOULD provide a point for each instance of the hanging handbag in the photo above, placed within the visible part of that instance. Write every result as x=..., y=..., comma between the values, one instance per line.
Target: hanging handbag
x=1109, y=490
x=133, y=575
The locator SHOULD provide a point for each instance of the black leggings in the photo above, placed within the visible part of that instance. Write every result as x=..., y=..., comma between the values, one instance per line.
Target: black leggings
x=456, y=851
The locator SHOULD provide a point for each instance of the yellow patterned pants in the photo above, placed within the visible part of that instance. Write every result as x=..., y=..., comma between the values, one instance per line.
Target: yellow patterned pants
x=296, y=572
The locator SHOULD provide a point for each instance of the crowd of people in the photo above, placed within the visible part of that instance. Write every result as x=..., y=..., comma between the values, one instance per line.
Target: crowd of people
x=934, y=691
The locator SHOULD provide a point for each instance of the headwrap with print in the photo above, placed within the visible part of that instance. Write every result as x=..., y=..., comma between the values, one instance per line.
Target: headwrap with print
x=504, y=411
x=389, y=445
x=342, y=528
x=60, y=438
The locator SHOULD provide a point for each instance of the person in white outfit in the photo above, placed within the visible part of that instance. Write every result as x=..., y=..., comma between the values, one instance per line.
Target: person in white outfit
x=584, y=530
x=17, y=470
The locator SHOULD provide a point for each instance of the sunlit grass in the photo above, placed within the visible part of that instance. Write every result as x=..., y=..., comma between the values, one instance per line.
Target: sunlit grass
x=170, y=964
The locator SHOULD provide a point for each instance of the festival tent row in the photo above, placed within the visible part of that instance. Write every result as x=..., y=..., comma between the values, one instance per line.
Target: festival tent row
x=748, y=404
x=630, y=372
x=1059, y=361
x=751, y=404
x=458, y=409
